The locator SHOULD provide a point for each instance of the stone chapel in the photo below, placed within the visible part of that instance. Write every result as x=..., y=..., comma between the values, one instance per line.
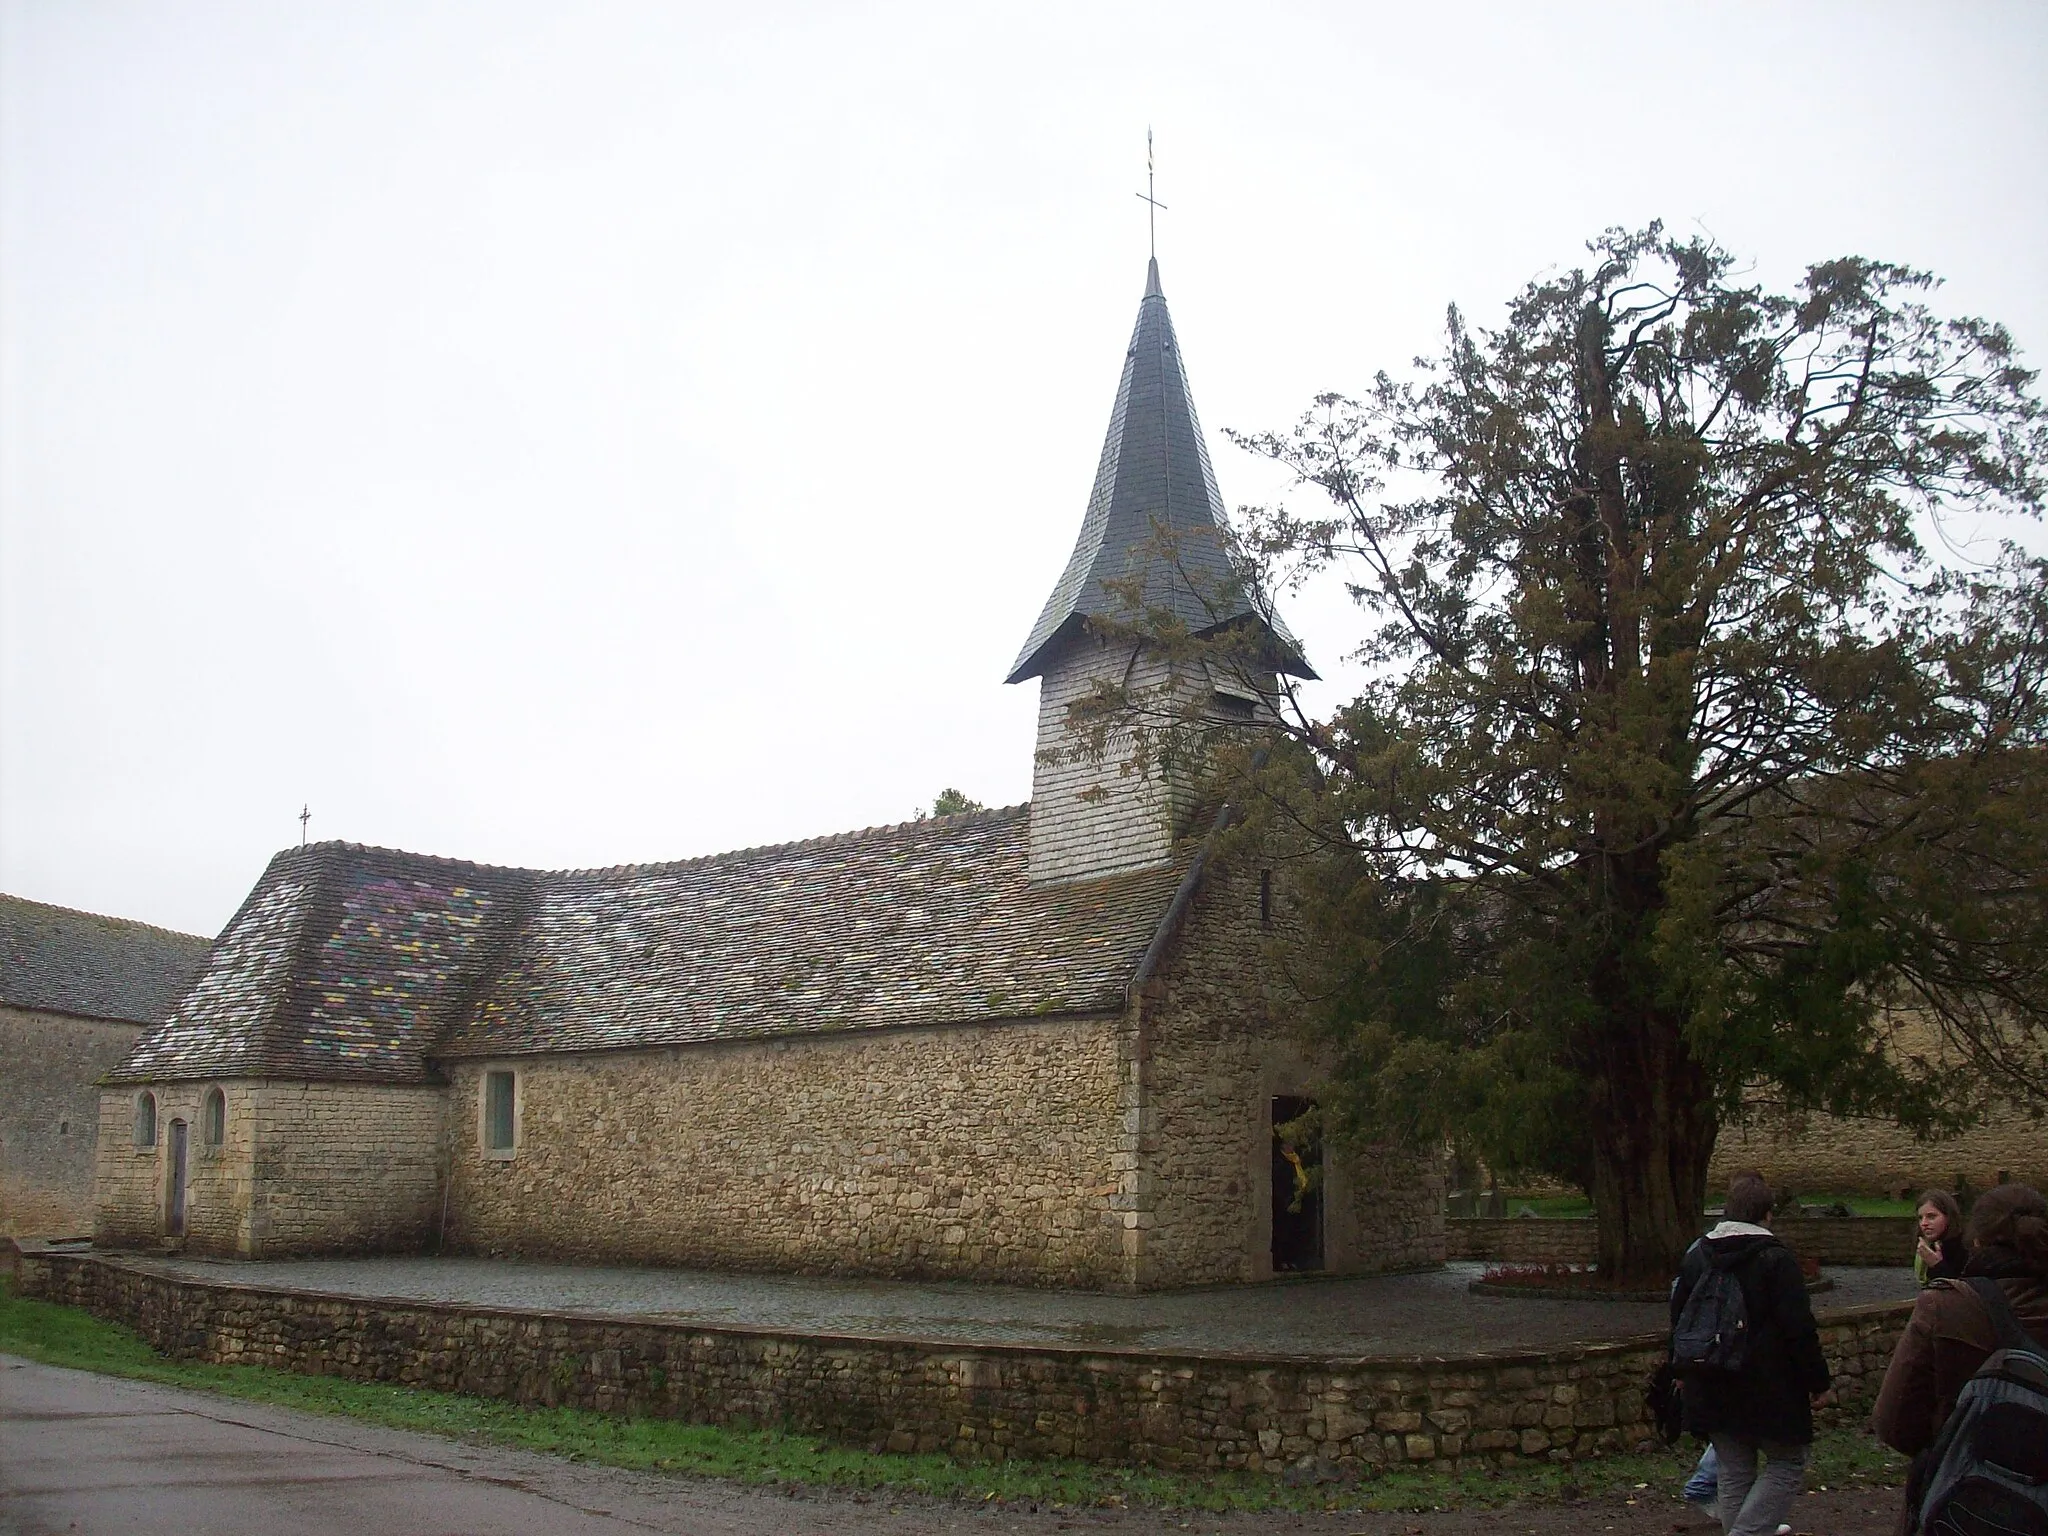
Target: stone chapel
x=1029, y=1045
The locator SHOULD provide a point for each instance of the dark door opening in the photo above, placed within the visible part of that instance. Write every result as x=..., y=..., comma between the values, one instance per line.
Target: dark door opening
x=1297, y=1186
x=174, y=1198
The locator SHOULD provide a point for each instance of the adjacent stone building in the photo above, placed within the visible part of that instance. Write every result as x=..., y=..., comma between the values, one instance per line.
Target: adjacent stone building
x=1818, y=1154
x=76, y=990
x=1033, y=1045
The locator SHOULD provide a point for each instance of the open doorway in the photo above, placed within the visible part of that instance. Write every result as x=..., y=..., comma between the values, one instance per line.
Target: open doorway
x=1297, y=1186
x=174, y=1187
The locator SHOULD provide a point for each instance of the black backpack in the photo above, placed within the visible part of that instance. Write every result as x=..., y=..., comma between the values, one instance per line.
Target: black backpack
x=1712, y=1335
x=1991, y=1461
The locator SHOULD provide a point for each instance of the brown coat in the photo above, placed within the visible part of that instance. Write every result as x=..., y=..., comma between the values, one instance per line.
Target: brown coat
x=1948, y=1338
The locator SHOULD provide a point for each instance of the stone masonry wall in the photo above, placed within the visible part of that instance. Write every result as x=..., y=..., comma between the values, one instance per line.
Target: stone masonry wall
x=983, y=1152
x=49, y=1116
x=346, y=1168
x=1527, y=1241
x=133, y=1182
x=1821, y=1154
x=1874, y=1240
x=302, y=1168
x=1214, y=1058
x=127, y=1180
x=1186, y=1411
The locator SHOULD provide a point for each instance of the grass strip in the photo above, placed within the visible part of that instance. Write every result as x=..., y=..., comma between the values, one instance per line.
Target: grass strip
x=66, y=1336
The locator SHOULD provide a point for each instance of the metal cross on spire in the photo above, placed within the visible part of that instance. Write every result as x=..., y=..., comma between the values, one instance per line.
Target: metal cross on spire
x=305, y=820
x=1153, y=205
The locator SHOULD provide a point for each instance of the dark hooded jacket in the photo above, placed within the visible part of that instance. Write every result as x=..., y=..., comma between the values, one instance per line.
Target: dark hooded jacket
x=1768, y=1400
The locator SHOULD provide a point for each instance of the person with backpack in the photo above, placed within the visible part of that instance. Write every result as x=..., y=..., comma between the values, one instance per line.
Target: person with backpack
x=1968, y=1383
x=1747, y=1351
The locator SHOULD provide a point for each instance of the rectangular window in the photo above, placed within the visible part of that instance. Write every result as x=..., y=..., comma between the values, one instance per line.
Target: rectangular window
x=498, y=1108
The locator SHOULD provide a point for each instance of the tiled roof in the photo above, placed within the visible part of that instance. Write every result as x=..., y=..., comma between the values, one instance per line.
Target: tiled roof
x=1154, y=474
x=352, y=962
x=61, y=961
x=343, y=962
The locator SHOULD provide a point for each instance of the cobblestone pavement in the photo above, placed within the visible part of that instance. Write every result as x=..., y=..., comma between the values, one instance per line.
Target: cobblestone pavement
x=1430, y=1313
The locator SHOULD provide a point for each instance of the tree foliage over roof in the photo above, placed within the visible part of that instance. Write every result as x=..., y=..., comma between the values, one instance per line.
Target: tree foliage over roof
x=952, y=802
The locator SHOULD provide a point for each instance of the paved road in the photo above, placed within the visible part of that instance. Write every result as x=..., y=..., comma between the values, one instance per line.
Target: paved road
x=87, y=1454
x=91, y=1455
x=1418, y=1314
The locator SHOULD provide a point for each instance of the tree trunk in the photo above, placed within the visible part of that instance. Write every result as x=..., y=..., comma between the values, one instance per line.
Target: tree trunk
x=1653, y=1127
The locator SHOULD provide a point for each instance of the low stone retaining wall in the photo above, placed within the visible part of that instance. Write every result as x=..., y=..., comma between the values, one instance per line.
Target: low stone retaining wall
x=1854, y=1240
x=1523, y=1240
x=1195, y=1412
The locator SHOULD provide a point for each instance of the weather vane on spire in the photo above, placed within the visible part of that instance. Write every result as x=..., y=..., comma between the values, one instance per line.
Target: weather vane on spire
x=1153, y=205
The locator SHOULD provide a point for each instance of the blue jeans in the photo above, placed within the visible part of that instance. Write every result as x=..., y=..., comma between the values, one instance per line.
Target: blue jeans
x=1705, y=1481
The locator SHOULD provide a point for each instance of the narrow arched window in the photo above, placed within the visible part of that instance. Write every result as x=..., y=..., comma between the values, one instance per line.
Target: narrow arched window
x=214, y=1122
x=145, y=1119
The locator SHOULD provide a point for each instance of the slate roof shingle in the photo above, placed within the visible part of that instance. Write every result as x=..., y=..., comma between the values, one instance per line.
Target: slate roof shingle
x=1154, y=470
x=60, y=961
x=366, y=963
x=344, y=962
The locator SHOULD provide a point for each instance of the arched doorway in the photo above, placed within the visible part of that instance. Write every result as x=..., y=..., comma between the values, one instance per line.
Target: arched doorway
x=174, y=1180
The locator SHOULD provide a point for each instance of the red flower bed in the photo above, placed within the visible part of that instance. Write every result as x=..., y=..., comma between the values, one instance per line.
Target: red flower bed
x=1583, y=1276
x=1541, y=1274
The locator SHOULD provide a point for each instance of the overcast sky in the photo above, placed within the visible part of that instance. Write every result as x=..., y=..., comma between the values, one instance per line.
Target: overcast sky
x=580, y=434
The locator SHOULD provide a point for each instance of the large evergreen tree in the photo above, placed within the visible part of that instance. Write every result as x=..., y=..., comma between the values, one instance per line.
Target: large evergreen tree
x=1706, y=734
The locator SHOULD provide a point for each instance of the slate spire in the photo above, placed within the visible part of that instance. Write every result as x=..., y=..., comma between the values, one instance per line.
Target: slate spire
x=1154, y=474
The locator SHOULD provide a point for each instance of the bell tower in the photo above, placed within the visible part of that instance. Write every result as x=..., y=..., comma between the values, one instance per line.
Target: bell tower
x=1155, y=528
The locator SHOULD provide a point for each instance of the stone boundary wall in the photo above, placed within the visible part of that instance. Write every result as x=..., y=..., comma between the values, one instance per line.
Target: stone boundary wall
x=1851, y=1156
x=1187, y=1411
x=1850, y=1240
x=1524, y=1240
